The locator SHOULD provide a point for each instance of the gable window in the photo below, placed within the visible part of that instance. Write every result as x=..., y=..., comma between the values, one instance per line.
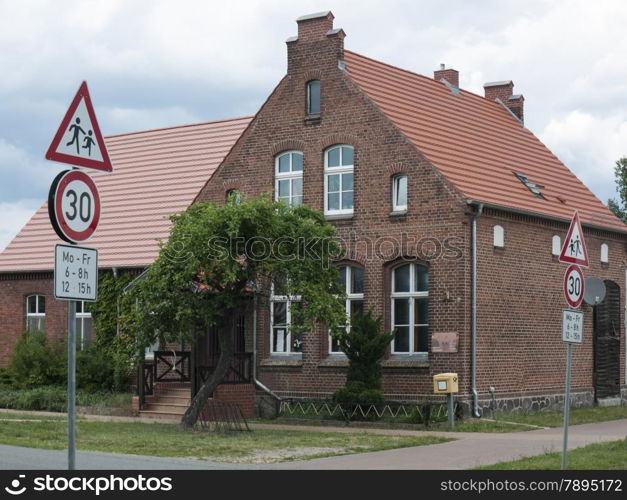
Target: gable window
x=556, y=245
x=605, y=251
x=289, y=178
x=410, y=309
x=84, y=325
x=282, y=339
x=313, y=97
x=399, y=193
x=338, y=183
x=351, y=280
x=35, y=312
x=234, y=195
x=499, y=237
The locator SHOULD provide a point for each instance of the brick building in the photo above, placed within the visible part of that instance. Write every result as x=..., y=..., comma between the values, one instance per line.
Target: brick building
x=451, y=212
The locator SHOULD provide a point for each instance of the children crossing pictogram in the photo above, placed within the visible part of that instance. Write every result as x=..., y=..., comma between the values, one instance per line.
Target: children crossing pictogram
x=78, y=140
x=574, y=250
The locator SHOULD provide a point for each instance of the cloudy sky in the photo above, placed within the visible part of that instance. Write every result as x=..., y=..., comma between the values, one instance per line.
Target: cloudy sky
x=157, y=63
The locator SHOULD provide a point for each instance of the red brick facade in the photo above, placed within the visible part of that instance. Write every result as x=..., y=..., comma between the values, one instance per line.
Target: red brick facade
x=520, y=352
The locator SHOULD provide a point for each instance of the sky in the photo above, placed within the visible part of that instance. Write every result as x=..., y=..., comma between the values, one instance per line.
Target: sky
x=159, y=63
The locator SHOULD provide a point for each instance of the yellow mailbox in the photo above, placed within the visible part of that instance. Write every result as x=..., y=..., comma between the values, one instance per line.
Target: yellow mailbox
x=445, y=383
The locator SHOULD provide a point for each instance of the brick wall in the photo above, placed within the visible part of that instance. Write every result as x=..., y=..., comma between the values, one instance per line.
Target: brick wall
x=13, y=292
x=242, y=395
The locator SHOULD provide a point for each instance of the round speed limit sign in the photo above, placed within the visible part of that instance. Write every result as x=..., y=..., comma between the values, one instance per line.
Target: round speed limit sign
x=74, y=206
x=574, y=284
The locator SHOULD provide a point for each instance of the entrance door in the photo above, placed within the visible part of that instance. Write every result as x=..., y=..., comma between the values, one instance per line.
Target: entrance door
x=607, y=327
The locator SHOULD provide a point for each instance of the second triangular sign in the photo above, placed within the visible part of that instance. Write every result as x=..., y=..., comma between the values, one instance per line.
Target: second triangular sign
x=574, y=250
x=79, y=140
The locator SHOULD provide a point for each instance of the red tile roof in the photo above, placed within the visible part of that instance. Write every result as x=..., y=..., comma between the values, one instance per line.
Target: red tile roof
x=477, y=144
x=156, y=173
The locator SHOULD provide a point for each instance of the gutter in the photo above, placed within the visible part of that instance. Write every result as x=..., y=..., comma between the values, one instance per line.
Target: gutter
x=476, y=410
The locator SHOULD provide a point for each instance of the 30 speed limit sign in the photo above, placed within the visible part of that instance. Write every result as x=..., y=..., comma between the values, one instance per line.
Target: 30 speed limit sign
x=74, y=206
x=574, y=286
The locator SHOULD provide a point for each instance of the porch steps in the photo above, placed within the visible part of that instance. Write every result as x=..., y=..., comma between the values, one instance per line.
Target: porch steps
x=171, y=403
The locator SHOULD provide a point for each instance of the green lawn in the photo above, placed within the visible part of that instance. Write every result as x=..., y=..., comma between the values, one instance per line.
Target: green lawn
x=602, y=456
x=577, y=416
x=170, y=440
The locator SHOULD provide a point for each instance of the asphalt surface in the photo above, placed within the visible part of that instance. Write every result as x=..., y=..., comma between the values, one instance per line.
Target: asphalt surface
x=468, y=451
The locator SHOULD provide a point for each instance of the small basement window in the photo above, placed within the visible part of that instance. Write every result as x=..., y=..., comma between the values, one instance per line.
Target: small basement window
x=534, y=188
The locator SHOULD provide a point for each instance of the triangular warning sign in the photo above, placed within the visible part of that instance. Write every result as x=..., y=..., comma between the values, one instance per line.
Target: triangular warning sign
x=574, y=250
x=78, y=140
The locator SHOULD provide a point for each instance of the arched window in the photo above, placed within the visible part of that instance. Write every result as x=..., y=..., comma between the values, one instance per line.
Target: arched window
x=234, y=196
x=399, y=193
x=499, y=237
x=313, y=97
x=289, y=178
x=605, y=253
x=556, y=245
x=351, y=281
x=35, y=312
x=338, y=180
x=283, y=340
x=410, y=308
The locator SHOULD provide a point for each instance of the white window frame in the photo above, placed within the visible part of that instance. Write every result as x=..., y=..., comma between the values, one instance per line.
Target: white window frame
x=41, y=317
x=309, y=112
x=341, y=169
x=82, y=316
x=237, y=196
x=499, y=236
x=289, y=300
x=350, y=297
x=605, y=253
x=412, y=296
x=395, y=190
x=556, y=245
x=288, y=176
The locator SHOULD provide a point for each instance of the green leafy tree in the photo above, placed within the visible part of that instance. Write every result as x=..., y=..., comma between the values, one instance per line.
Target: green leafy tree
x=364, y=345
x=217, y=255
x=620, y=174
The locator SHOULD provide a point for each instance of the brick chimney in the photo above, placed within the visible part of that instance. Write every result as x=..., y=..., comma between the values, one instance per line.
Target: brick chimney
x=504, y=91
x=450, y=75
x=317, y=46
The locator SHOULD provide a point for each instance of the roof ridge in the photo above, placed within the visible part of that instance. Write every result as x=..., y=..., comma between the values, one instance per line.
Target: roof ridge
x=210, y=122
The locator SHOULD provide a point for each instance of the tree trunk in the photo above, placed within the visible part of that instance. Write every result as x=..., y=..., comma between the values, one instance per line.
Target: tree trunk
x=225, y=338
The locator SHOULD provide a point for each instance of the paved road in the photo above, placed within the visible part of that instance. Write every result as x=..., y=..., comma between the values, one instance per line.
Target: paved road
x=470, y=450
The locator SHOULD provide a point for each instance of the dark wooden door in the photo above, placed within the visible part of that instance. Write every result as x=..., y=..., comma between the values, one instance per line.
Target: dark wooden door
x=607, y=328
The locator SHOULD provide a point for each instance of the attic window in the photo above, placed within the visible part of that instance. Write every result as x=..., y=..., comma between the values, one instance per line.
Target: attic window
x=534, y=188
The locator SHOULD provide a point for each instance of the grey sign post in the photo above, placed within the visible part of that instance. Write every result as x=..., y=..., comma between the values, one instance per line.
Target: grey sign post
x=572, y=333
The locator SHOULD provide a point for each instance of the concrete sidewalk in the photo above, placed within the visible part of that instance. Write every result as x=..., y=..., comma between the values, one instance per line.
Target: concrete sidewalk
x=472, y=449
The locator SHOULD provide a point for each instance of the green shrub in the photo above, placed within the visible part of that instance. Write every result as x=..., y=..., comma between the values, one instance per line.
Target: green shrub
x=94, y=370
x=357, y=392
x=35, y=362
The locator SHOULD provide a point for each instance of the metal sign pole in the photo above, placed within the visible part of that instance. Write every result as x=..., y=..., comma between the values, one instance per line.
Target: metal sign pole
x=71, y=385
x=450, y=399
x=569, y=362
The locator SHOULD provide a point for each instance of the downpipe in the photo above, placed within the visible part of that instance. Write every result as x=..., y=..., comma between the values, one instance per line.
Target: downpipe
x=476, y=410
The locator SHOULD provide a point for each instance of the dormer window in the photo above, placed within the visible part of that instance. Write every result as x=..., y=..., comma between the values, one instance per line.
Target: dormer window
x=313, y=97
x=534, y=188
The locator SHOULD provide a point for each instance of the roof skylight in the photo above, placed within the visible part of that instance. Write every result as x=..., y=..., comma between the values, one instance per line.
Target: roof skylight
x=534, y=188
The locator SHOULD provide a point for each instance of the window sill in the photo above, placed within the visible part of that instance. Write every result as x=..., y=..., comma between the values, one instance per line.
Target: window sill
x=398, y=213
x=409, y=361
x=279, y=360
x=338, y=217
x=334, y=361
x=312, y=119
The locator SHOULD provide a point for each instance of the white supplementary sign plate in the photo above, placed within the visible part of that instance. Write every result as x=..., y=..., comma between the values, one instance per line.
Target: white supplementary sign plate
x=572, y=326
x=75, y=273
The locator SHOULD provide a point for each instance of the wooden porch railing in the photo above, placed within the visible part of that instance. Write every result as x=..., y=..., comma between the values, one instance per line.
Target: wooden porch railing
x=240, y=371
